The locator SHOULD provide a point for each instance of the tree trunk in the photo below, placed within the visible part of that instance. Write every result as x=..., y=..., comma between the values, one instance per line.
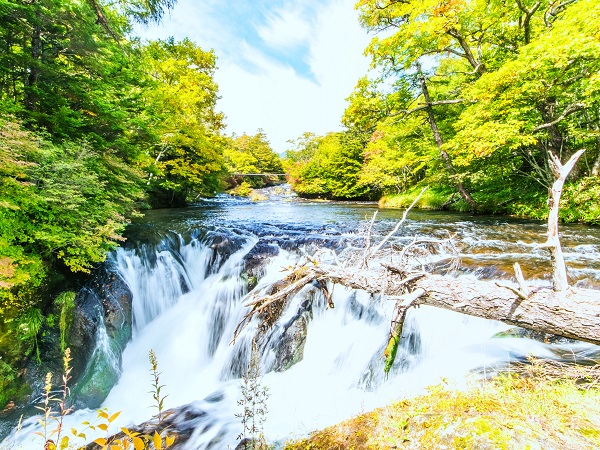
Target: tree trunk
x=596, y=167
x=34, y=70
x=477, y=66
x=438, y=140
x=573, y=314
x=559, y=269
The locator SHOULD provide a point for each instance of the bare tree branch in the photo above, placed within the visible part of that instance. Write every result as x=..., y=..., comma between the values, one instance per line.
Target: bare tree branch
x=424, y=106
x=559, y=269
x=567, y=112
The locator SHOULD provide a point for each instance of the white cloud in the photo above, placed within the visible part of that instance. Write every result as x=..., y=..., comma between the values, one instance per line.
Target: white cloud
x=284, y=29
x=270, y=94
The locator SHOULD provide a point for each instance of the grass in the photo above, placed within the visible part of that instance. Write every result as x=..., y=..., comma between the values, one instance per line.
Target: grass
x=533, y=410
x=433, y=198
x=579, y=202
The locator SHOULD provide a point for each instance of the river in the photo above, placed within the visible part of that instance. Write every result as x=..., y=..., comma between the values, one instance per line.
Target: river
x=189, y=269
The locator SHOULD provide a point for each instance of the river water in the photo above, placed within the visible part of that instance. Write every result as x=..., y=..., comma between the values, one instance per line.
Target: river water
x=188, y=271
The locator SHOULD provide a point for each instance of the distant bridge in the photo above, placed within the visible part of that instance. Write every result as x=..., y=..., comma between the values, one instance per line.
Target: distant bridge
x=258, y=174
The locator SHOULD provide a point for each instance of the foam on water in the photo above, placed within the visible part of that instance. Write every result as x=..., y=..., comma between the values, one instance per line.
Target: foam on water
x=186, y=305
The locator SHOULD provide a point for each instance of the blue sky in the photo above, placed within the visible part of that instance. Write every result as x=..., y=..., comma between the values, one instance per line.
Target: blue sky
x=284, y=66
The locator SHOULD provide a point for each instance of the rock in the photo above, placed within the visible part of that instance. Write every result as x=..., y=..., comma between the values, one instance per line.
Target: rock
x=181, y=423
x=251, y=444
x=290, y=349
x=254, y=262
x=102, y=313
x=223, y=244
x=518, y=332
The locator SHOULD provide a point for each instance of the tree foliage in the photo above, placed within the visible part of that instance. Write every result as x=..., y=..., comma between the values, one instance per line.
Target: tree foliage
x=252, y=154
x=507, y=84
x=185, y=156
x=327, y=166
x=94, y=125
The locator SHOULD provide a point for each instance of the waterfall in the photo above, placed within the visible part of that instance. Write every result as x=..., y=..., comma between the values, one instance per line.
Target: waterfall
x=188, y=297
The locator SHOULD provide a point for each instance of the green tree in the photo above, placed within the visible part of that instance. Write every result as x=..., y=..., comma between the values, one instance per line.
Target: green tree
x=252, y=154
x=328, y=166
x=507, y=84
x=544, y=100
x=396, y=158
x=186, y=158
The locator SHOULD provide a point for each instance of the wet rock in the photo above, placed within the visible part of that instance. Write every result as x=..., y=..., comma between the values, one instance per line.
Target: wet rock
x=290, y=349
x=180, y=423
x=223, y=245
x=540, y=336
x=255, y=260
x=102, y=310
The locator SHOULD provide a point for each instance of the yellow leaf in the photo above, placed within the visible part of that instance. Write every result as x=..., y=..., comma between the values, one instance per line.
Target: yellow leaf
x=100, y=441
x=114, y=416
x=102, y=414
x=103, y=426
x=74, y=431
x=64, y=442
x=157, y=441
x=169, y=440
x=138, y=444
x=129, y=433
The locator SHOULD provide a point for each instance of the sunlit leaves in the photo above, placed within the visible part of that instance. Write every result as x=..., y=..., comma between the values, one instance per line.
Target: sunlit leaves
x=181, y=97
x=538, y=98
x=251, y=154
x=333, y=169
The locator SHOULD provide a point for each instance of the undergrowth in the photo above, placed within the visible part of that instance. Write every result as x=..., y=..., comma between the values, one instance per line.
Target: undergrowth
x=54, y=408
x=532, y=409
x=579, y=203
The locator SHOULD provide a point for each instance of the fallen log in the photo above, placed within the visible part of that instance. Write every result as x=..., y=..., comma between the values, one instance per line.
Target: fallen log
x=574, y=313
x=560, y=310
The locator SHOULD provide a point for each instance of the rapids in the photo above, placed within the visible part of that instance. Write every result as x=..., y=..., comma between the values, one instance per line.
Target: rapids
x=189, y=271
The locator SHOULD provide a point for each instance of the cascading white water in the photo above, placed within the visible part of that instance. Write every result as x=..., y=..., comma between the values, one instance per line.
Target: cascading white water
x=187, y=303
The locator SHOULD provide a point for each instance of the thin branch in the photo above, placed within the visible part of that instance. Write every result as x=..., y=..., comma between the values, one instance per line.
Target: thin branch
x=423, y=106
x=520, y=294
x=554, y=11
x=521, y=279
x=567, y=112
x=368, y=240
x=399, y=224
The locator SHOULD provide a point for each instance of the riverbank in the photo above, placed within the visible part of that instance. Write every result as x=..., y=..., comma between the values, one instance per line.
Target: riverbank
x=536, y=410
x=578, y=204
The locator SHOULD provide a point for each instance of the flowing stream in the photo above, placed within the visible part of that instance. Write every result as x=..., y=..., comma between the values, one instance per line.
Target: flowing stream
x=189, y=271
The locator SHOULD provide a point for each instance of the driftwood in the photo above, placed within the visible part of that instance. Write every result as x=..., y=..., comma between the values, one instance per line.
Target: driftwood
x=404, y=275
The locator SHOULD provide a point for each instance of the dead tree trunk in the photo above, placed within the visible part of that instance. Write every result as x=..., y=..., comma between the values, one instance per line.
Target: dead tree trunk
x=559, y=270
x=573, y=314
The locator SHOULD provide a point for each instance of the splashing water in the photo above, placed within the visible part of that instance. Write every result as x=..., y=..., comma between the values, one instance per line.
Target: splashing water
x=187, y=301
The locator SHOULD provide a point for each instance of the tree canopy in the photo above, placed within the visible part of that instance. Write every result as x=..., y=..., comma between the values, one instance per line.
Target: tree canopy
x=95, y=125
x=472, y=97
